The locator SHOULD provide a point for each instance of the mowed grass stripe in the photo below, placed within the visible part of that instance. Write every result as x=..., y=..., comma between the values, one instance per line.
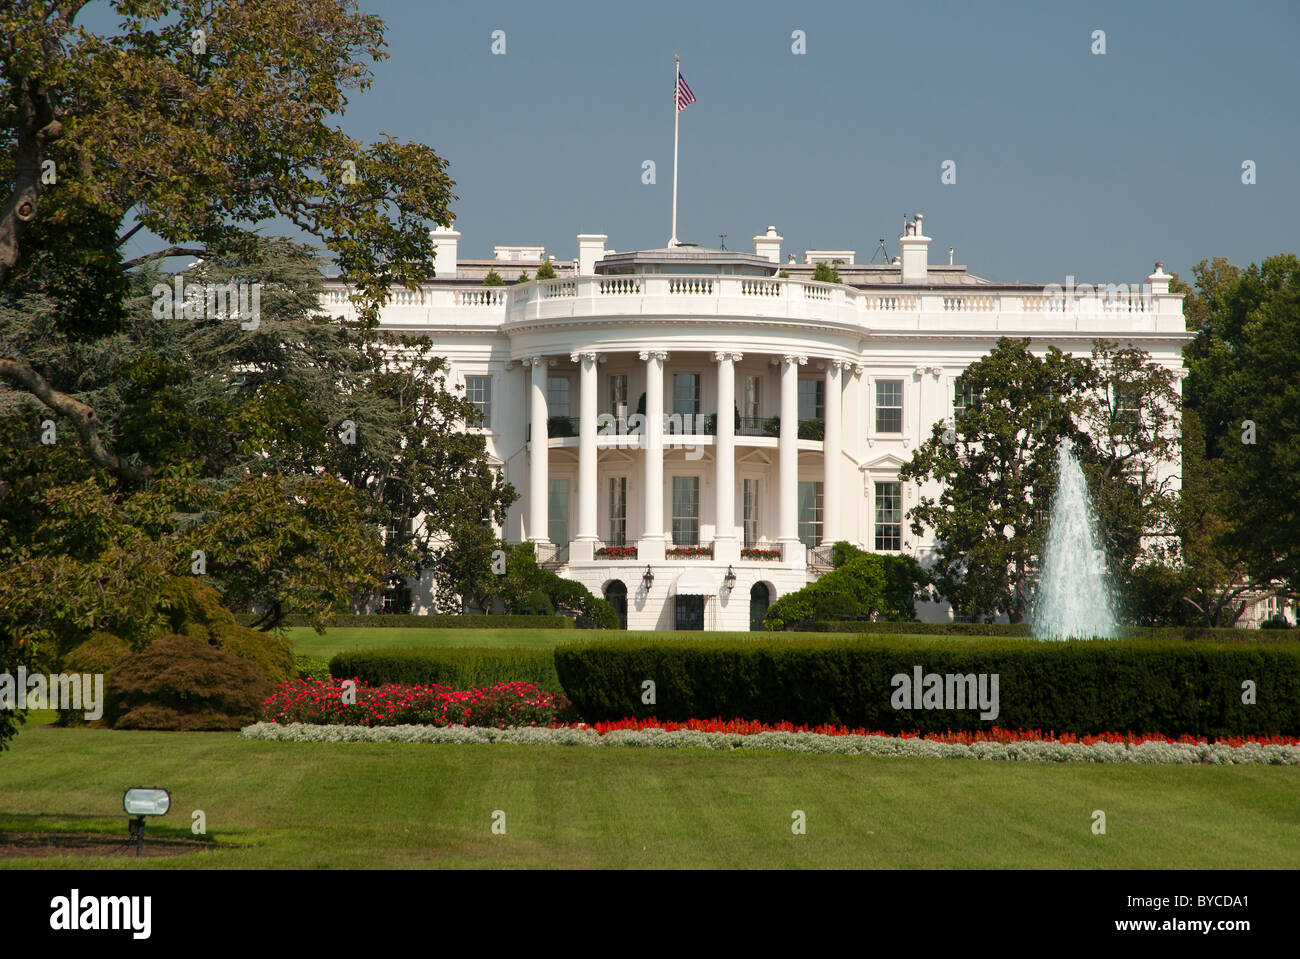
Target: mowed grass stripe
x=323, y=806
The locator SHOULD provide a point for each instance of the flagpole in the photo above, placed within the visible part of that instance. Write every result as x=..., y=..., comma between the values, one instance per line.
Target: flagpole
x=677, y=113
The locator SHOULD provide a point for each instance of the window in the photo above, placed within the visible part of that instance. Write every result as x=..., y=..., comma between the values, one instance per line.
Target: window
x=1127, y=409
x=618, y=394
x=558, y=512
x=889, y=406
x=810, y=513
x=478, y=390
x=753, y=398
x=686, y=393
x=889, y=516
x=617, y=511
x=749, y=489
x=557, y=396
x=686, y=511
x=812, y=399
x=964, y=398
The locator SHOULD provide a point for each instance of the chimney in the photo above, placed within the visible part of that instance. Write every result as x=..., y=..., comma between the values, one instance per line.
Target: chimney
x=591, y=247
x=768, y=245
x=445, y=240
x=1159, y=280
x=915, y=245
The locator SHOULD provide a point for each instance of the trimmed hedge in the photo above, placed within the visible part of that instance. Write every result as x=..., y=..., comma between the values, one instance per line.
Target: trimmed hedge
x=1215, y=634
x=1089, y=687
x=459, y=667
x=432, y=621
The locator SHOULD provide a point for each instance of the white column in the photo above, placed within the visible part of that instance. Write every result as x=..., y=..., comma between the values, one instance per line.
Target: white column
x=651, y=547
x=788, y=518
x=538, y=454
x=831, y=455
x=726, y=546
x=583, y=547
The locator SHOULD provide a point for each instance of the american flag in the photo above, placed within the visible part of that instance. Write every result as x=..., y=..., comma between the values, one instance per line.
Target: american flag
x=684, y=94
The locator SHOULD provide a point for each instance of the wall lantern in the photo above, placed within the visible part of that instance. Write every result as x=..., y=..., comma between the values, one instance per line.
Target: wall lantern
x=730, y=579
x=648, y=579
x=140, y=802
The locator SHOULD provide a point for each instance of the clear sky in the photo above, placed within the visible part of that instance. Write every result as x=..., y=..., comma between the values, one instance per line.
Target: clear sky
x=1066, y=162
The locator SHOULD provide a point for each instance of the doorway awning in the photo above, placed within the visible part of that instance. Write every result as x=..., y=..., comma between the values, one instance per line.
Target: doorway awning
x=695, y=582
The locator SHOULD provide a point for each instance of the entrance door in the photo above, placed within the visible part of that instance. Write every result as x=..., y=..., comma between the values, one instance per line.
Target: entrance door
x=690, y=612
x=760, y=598
x=616, y=596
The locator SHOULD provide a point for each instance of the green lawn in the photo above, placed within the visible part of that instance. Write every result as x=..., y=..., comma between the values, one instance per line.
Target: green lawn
x=309, y=643
x=378, y=805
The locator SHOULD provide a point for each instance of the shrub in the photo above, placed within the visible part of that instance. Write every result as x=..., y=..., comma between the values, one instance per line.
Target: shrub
x=546, y=271
x=1277, y=621
x=455, y=667
x=192, y=608
x=100, y=655
x=493, y=278
x=433, y=621
x=812, y=429
x=865, y=585
x=1085, y=688
x=186, y=683
x=503, y=705
x=311, y=668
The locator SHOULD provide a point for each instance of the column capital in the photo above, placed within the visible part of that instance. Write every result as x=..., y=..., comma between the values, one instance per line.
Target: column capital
x=660, y=355
x=794, y=358
x=721, y=355
x=936, y=371
x=590, y=355
x=859, y=369
x=533, y=361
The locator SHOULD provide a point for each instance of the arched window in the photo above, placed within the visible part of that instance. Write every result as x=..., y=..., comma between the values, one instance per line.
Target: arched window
x=760, y=598
x=616, y=596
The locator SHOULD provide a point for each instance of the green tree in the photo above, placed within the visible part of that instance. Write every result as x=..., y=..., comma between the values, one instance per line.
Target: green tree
x=546, y=271
x=997, y=466
x=826, y=273
x=493, y=278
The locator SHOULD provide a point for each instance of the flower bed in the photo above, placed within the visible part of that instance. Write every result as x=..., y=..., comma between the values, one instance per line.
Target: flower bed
x=689, y=552
x=616, y=552
x=755, y=552
x=1151, y=750
x=321, y=703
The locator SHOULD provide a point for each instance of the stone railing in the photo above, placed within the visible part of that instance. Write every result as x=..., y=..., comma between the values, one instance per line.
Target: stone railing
x=737, y=296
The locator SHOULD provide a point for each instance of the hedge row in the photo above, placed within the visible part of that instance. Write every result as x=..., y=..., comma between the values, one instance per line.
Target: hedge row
x=461, y=667
x=432, y=621
x=1139, y=686
x=1026, y=630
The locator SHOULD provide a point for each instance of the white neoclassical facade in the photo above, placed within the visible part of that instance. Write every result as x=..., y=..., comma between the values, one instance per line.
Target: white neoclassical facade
x=691, y=429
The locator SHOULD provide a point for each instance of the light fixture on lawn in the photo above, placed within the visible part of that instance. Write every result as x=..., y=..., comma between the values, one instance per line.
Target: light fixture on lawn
x=730, y=579
x=648, y=579
x=139, y=801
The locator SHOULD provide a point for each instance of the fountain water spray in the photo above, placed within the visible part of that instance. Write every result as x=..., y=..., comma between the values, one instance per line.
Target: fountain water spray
x=1074, y=598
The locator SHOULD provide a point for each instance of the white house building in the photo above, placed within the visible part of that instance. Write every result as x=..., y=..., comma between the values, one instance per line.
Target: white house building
x=690, y=429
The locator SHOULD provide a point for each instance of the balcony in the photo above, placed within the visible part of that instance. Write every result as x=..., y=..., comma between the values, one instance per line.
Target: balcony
x=616, y=551
x=697, y=551
x=552, y=557
x=1010, y=310
x=766, y=553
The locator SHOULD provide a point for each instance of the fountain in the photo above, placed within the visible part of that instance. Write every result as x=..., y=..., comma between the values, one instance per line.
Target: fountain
x=1074, y=598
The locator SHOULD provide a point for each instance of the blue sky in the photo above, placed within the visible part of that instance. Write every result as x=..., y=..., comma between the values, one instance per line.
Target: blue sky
x=1066, y=162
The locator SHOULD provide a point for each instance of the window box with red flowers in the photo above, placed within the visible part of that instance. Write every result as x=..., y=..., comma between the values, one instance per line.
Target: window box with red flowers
x=616, y=552
x=761, y=553
x=689, y=552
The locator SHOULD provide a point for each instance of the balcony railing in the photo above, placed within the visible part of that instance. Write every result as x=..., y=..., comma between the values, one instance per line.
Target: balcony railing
x=699, y=551
x=763, y=553
x=776, y=297
x=550, y=556
x=616, y=551
x=555, y=426
x=821, y=559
